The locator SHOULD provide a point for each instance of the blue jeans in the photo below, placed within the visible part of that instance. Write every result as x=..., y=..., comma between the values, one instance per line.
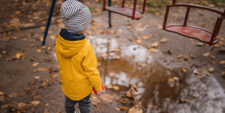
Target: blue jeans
x=84, y=105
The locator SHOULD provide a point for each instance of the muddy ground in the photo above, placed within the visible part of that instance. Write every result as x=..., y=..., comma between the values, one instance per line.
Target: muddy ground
x=164, y=74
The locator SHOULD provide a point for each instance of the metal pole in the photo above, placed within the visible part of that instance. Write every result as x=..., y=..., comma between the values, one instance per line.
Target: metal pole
x=144, y=4
x=186, y=17
x=110, y=25
x=49, y=21
x=134, y=9
x=174, y=2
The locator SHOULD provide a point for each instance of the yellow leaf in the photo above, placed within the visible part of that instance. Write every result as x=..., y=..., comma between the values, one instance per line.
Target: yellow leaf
x=94, y=28
x=145, y=37
x=216, y=45
x=171, y=80
x=46, y=104
x=36, y=77
x=155, y=44
x=35, y=64
x=4, y=52
x=7, y=38
x=4, y=106
x=164, y=40
x=1, y=93
x=117, y=108
x=123, y=108
x=38, y=50
x=94, y=97
x=53, y=37
x=18, y=55
x=184, y=70
x=35, y=103
x=116, y=87
x=222, y=62
x=109, y=86
x=55, y=75
x=139, y=41
x=42, y=28
x=153, y=50
x=211, y=70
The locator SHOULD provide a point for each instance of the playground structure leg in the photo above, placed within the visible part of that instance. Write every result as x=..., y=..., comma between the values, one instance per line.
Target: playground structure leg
x=49, y=22
x=110, y=22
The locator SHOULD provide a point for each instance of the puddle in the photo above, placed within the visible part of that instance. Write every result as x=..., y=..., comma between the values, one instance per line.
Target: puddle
x=205, y=94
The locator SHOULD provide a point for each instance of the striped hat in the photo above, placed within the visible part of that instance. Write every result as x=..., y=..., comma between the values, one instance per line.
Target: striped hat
x=76, y=16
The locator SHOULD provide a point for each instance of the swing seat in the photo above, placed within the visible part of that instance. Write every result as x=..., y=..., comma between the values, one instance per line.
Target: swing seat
x=125, y=11
x=195, y=32
x=192, y=32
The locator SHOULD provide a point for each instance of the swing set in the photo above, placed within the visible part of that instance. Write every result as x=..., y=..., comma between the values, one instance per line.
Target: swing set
x=198, y=33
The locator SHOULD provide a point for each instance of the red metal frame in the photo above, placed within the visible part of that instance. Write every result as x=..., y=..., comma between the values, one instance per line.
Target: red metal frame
x=134, y=15
x=213, y=39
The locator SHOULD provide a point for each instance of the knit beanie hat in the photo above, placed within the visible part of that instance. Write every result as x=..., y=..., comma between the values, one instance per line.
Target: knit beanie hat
x=76, y=16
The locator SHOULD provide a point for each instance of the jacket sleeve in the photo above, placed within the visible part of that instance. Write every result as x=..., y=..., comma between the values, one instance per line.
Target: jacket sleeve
x=89, y=65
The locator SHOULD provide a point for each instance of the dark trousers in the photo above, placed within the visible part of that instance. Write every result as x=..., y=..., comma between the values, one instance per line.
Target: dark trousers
x=84, y=105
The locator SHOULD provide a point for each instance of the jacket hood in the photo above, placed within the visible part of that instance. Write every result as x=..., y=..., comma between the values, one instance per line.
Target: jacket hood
x=69, y=44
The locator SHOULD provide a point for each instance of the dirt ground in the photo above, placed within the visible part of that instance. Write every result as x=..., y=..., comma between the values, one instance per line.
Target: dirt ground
x=174, y=76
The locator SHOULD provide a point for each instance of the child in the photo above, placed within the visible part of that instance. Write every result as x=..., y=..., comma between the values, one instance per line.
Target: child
x=78, y=64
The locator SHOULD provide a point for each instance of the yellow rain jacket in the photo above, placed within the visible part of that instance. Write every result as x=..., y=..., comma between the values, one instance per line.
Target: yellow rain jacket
x=78, y=65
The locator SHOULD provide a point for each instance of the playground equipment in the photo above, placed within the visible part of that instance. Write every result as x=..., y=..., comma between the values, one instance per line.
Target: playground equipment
x=125, y=11
x=192, y=31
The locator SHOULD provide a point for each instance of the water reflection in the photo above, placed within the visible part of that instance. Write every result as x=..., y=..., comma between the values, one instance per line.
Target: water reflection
x=205, y=94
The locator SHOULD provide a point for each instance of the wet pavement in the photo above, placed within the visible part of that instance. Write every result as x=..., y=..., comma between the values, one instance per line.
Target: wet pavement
x=163, y=85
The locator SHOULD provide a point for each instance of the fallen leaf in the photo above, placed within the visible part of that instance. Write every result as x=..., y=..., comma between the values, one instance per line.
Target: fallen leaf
x=211, y=70
x=123, y=108
x=117, y=108
x=116, y=57
x=4, y=106
x=1, y=93
x=139, y=41
x=12, y=95
x=94, y=28
x=112, y=74
x=176, y=78
x=143, y=64
x=21, y=105
x=123, y=102
x=200, y=44
x=106, y=97
x=155, y=44
x=3, y=52
x=151, y=106
x=35, y=103
x=196, y=72
x=206, y=54
x=50, y=48
x=38, y=50
x=216, y=45
x=55, y=75
x=18, y=55
x=46, y=104
x=184, y=70
x=36, y=77
x=95, y=101
x=222, y=62
x=7, y=38
x=164, y=40
x=94, y=97
x=153, y=50
x=42, y=28
x=35, y=64
x=171, y=80
x=135, y=110
x=104, y=55
x=53, y=37
x=182, y=100
x=134, y=86
x=109, y=86
x=131, y=93
x=35, y=97
x=145, y=37
x=179, y=56
x=116, y=87
x=2, y=98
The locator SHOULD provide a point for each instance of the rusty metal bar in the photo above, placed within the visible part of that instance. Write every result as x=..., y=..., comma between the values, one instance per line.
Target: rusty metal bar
x=166, y=17
x=216, y=30
x=123, y=3
x=198, y=6
x=174, y=2
x=144, y=4
x=186, y=17
x=134, y=9
x=104, y=5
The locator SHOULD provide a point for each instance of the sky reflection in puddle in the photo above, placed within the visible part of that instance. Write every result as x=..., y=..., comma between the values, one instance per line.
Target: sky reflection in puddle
x=205, y=94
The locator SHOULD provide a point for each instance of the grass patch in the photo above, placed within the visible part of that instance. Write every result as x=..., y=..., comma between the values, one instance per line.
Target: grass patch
x=150, y=11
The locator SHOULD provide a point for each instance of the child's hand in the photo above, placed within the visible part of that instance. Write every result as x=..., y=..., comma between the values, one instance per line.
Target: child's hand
x=99, y=92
